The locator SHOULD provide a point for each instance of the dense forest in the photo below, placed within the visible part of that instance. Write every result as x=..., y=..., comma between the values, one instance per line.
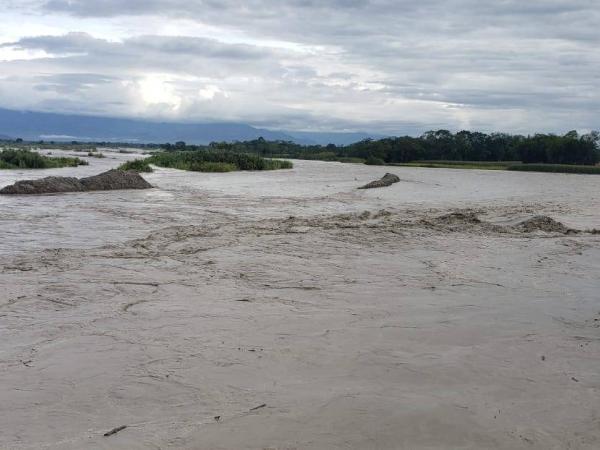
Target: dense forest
x=442, y=145
x=570, y=148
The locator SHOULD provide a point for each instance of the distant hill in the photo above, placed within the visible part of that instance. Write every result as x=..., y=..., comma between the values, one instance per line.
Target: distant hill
x=324, y=138
x=4, y=137
x=37, y=126
x=63, y=127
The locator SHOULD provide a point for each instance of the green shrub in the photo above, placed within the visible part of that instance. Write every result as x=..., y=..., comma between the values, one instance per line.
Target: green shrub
x=137, y=165
x=215, y=161
x=209, y=167
x=25, y=159
x=206, y=161
x=276, y=164
x=351, y=160
x=321, y=156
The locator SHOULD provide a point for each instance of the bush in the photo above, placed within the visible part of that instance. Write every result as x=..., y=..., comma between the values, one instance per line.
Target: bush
x=137, y=165
x=351, y=160
x=214, y=161
x=211, y=167
x=206, y=161
x=25, y=159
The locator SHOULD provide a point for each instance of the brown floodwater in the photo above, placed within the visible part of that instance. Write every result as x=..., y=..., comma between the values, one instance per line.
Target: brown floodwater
x=289, y=310
x=79, y=220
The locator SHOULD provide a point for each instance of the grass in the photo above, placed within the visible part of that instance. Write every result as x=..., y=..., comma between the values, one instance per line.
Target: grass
x=503, y=165
x=482, y=165
x=322, y=156
x=206, y=161
x=206, y=166
x=557, y=168
x=25, y=159
x=350, y=160
x=138, y=165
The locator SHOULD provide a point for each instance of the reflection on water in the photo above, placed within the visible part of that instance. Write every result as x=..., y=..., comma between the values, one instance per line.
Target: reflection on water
x=312, y=187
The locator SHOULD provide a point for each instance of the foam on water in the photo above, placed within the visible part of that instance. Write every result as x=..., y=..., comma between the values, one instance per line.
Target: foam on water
x=311, y=188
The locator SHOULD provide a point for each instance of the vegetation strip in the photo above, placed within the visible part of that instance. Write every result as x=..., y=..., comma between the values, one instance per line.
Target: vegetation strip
x=557, y=168
x=206, y=161
x=25, y=159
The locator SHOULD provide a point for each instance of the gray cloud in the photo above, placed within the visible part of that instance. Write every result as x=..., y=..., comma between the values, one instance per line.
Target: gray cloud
x=68, y=83
x=78, y=42
x=390, y=65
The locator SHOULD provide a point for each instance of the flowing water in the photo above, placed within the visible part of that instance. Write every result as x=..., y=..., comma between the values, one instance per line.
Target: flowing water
x=290, y=310
x=78, y=220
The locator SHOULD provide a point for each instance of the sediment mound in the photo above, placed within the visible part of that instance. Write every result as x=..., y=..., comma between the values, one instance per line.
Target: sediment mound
x=459, y=221
x=545, y=224
x=467, y=217
x=387, y=180
x=115, y=179
x=463, y=220
x=111, y=180
x=44, y=186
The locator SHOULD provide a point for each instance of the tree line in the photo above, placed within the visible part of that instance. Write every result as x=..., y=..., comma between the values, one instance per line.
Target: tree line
x=570, y=148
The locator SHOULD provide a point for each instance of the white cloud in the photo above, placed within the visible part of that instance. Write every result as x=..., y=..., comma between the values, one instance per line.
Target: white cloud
x=210, y=91
x=157, y=89
x=388, y=66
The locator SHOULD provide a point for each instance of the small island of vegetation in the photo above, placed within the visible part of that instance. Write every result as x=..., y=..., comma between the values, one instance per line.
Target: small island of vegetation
x=206, y=161
x=26, y=159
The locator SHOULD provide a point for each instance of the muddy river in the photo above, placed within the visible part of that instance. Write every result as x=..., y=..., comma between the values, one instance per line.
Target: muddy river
x=289, y=310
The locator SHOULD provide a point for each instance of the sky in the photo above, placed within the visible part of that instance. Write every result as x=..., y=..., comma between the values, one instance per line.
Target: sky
x=381, y=66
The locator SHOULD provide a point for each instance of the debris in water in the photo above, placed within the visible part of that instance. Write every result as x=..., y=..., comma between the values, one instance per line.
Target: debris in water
x=387, y=180
x=459, y=217
x=115, y=430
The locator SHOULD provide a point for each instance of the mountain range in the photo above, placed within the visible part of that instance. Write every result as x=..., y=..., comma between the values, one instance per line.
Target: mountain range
x=35, y=126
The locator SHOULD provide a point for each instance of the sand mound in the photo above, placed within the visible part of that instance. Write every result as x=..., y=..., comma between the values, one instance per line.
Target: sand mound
x=545, y=224
x=466, y=217
x=463, y=220
x=115, y=179
x=387, y=180
x=111, y=180
x=45, y=185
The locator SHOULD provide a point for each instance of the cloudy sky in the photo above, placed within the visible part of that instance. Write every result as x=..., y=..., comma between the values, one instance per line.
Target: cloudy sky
x=387, y=66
